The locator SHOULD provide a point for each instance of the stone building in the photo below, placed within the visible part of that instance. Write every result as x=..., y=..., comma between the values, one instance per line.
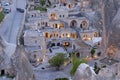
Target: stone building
x=61, y=26
x=35, y=46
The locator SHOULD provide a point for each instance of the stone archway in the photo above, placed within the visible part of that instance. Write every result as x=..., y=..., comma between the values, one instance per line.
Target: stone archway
x=69, y=5
x=53, y=16
x=55, y=34
x=61, y=25
x=96, y=34
x=84, y=25
x=73, y=23
x=47, y=35
x=55, y=25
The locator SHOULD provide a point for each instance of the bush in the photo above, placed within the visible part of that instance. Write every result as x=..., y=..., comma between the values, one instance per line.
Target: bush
x=10, y=76
x=61, y=79
x=58, y=60
x=40, y=8
x=2, y=15
x=92, y=52
x=42, y=2
x=96, y=68
x=76, y=62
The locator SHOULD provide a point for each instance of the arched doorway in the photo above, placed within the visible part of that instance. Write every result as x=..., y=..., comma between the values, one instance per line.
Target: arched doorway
x=55, y=34
x=38, y=24
x=52, y=44
x=55, y=25
x=46, y=24
x=78, y=54
x=83, y=24
x=73, y=23
x=67, y=44
x=69, y=5
x=85, y=37
x=53, y=16
x=47, y=35
x=61, y=25
x=96, y=34
x=58, y=44
x=2, y=72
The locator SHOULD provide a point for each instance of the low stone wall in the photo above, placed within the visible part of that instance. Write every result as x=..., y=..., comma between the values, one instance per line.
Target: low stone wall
x=20, y=33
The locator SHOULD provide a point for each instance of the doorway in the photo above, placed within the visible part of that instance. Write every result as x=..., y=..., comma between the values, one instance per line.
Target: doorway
x=2, y=72
x=58, y=44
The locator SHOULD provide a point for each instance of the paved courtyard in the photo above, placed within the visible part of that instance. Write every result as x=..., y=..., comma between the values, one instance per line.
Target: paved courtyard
x=50, y=73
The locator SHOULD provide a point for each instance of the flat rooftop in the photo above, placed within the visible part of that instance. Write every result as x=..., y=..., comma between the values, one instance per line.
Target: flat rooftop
x=109, y=61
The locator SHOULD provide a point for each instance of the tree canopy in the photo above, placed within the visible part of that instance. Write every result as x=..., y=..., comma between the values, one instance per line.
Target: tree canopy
x=58, y=60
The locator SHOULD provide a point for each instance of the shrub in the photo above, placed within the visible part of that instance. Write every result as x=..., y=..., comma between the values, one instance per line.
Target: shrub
x=96, y=68
x=2, y=15
x=76, y=62
x=61, y=79
x=40, y=8
x=92, y=52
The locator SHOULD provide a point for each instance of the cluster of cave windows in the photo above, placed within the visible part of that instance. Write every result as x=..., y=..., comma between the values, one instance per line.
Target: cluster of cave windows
x=83, y=24
x=63, y=35
x=61, y=16
x=59, y=26
x=86, y=37
x=43, y=23
x=66, y=44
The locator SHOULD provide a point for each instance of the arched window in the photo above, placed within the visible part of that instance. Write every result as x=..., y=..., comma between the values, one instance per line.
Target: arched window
x=53, y=16
x=66, y=44
x=73, y=23
x=46, y=24
x=69, y=5
x=38, y=24
x=96, y=34
x=55, y=25
x=62, y=25
x=84, y=25
x=47, y=35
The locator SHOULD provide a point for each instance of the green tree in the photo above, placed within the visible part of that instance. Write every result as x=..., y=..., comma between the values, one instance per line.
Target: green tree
x=58, y=60
x=76, y=62
x=92, y=52
x=42, y=2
